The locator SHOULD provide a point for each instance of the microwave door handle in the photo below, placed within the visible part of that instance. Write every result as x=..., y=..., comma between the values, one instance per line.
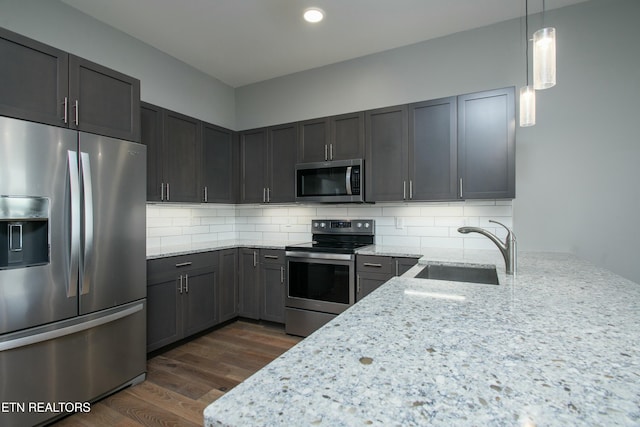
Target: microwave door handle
x=348, y=180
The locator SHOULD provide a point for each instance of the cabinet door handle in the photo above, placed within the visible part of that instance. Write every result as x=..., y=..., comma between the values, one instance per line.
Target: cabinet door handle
x=77, y=114
x=162, y=192
x=65, y=105
x=330, y=151
x=410, y=189
x=404, y=190
x=461, y=188
x=184, y=264
x=264, y=195
x=186, y=283
x=282, y=275
x=268, y=194
x=167, y=191
x=180, y=287
x=326, y=157
x=358, y=285
x=255, y=258
x=206, y=195
x=397, y=268
x=371, y=264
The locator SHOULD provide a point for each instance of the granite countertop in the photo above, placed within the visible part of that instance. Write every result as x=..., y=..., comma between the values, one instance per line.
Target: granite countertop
x=166, y=251
x=557, y=345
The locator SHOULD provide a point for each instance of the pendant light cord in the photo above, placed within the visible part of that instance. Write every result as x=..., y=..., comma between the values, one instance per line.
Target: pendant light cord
x=526, y=37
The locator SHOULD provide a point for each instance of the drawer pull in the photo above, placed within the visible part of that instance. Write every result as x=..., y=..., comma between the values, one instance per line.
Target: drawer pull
x=271, y=257
x=183, y=264
x=371, y=264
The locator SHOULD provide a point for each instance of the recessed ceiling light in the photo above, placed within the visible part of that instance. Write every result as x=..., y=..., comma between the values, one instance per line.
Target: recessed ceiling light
x=313, y=15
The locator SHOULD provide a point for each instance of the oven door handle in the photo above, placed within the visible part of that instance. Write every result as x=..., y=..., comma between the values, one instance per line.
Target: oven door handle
x=318, y=255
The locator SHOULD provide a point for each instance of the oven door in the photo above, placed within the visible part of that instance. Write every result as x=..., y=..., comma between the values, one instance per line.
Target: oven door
x=320, y=281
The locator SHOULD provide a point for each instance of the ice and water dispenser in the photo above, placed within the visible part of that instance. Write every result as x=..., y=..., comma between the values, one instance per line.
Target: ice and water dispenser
x=24, y=231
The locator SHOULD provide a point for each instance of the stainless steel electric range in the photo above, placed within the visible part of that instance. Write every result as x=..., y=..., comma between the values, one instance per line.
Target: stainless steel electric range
x=321, y=273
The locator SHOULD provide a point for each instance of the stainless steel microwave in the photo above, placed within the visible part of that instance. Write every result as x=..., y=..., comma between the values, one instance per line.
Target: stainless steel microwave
x=340, y=181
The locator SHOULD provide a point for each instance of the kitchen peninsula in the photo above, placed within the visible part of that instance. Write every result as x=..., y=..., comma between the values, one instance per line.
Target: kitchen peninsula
x=557, y=345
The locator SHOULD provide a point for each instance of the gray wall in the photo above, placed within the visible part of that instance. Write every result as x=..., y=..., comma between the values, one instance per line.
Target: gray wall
x=578, y=169
x=165, y=81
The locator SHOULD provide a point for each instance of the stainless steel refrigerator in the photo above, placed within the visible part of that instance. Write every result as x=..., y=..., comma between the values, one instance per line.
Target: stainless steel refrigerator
x=72, y=269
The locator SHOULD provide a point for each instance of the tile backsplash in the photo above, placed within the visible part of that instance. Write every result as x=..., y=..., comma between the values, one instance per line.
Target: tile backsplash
x=411, y=225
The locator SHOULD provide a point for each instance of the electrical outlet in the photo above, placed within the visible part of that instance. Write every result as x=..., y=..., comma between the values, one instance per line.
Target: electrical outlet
x=399, y=223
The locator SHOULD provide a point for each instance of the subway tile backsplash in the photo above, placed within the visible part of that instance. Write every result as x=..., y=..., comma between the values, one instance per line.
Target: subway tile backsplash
x=411, y=225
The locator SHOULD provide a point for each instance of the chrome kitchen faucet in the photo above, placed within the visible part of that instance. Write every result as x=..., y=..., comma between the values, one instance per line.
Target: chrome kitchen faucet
x=508, y=248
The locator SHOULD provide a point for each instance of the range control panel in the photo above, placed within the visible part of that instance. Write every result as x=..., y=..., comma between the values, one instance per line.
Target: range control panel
x=343, y=226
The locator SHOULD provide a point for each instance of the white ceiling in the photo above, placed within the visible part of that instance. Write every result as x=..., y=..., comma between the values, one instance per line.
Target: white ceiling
x=246, y=41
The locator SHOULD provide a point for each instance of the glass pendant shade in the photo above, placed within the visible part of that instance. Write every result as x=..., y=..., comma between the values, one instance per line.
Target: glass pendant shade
x=544, y=58
x=527, y=106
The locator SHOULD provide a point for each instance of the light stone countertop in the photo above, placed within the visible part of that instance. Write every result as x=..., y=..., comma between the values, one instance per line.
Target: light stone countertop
x=557, y=345
x=167, y=251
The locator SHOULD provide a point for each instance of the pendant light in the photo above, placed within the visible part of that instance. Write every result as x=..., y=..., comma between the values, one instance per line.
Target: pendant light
x=527, y=93
x=544, y=56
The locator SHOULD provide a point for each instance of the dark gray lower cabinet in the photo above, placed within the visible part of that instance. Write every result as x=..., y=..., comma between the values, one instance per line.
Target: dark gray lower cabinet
x=373, y=270
x=272, y=285
x=228, y=285
x=181, y=297
x=248, y=285
x=262, y=284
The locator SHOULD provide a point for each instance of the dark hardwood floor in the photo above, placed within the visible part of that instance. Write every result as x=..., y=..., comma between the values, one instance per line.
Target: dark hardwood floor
x=184, y=380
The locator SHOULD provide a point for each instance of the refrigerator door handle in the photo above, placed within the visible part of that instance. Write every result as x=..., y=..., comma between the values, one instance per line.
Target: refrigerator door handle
x=68, y=330
x=74, y=185
x=88, y=223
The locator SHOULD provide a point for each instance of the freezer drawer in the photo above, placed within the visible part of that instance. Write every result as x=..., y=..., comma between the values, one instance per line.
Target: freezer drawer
x=78, y=360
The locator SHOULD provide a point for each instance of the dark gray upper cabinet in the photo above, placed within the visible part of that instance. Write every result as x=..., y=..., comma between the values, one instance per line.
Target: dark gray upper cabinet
x=103, y=101
x=283, y=144
x=347, y=136
x=219, y=157
x=313, y=140
x=151, y=136
x=432, y=153
x=182, y=158
x=486, y=144
x=386, y=157
x=35, y=80
x=268, y=158
x=332, y=138
x=253, y=167
x=46, y=85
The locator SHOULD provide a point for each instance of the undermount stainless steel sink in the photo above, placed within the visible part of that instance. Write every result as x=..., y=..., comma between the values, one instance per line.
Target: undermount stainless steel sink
x=460, y=273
